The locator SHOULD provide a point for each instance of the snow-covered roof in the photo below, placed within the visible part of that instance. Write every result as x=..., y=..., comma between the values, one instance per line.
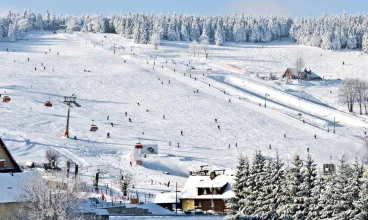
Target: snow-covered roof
x=293, y=71
x=166, y=198
x=314, y=75
x=191, y=187
x=10, y=186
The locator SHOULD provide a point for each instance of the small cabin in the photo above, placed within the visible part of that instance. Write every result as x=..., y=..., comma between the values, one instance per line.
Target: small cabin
x=309, y=75
x=291, y=73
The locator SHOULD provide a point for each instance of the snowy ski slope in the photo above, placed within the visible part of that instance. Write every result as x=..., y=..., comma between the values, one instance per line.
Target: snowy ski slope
x=113, y=87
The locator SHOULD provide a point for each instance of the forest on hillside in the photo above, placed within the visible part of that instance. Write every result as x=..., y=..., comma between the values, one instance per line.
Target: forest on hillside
x=333, y=32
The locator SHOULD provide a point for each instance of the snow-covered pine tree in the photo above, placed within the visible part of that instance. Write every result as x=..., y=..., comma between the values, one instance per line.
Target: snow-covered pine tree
x=328, y=197
x=362, y=202
x=39, y=24
x=317, y=199
x=336, y=43
x=136, y=31
x=184, y=32
x=351, y=42
x=274, y=199
x=326, y=41
x=2, y=33
x=292, y=202
x=365, y=43
x=242, y=173
x=308, y=185
x=344, y=198
x=172, y=32
x=13, y=32
x=248, y=205
x=353, y=189
x=219, y=40
x=195, y=31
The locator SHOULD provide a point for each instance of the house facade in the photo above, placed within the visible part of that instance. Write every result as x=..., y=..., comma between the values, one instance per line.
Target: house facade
x=7, y=163
x=292, y=73
x=207, y=192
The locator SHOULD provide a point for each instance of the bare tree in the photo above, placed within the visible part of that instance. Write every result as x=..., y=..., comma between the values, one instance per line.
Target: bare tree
x=43, y=200
x=361, y=88
x=365, y=96
x=156, y=40
x=125, y=180
x=205, y=46
x=347, y=93
x=193, y=47
x=52, y=157
x=299, y=64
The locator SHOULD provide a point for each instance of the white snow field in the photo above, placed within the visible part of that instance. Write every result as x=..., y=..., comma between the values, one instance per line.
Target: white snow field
x=113, y=87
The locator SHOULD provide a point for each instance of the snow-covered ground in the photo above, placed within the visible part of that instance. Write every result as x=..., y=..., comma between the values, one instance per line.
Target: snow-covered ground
x=113, y=87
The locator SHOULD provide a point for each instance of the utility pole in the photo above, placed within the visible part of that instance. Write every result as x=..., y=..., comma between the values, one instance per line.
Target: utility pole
x=69, y=101
x=265, y=97
x=334, y=124
x=176, y=197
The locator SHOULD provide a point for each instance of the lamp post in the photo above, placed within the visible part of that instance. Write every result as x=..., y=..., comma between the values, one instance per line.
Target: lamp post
x=265, y=97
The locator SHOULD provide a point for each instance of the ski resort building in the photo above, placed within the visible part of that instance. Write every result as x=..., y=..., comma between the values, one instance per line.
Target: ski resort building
x=292, y=73
x=7, y=163
x=309, y=75
x=207, y=192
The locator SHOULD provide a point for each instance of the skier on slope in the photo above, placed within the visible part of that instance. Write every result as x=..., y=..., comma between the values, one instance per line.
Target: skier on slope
x=126, y=114
x=108, y=117
x=108, y=134
x=181, y=133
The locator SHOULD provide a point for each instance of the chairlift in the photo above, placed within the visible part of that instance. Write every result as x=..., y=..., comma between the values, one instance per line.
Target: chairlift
x=48, y=103
x=93, y=127
x=6, y=98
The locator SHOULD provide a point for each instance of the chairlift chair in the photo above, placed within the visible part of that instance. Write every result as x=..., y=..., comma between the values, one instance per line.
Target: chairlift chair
x=48, y=103
x=93, y=127
x=6, y=98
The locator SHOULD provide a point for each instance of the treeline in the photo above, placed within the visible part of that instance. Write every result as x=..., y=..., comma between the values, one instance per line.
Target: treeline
x=353, y=91
x=265, y=189
x=142, y=26
x=333, y=32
